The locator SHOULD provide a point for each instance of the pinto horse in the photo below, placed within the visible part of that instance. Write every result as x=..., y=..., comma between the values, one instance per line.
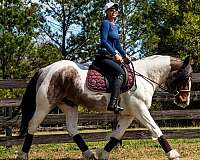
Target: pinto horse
x=67, y=80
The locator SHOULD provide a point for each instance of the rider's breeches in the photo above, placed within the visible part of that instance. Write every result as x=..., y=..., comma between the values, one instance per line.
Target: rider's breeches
x=110, y=67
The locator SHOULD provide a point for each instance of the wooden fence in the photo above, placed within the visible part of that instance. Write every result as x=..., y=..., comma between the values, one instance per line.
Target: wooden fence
x=102, y=119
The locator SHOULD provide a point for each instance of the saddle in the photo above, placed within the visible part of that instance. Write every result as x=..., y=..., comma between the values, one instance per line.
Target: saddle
x=100, y=82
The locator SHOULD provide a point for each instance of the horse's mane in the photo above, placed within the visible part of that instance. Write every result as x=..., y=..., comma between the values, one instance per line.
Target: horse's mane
x=151, y=60
x=146, y=61
x=153, y=57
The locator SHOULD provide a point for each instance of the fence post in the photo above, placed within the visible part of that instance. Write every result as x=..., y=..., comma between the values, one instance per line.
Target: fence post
x=8, y=129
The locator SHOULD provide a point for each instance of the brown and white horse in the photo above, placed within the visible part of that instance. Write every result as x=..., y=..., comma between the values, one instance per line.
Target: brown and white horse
x=67, y=80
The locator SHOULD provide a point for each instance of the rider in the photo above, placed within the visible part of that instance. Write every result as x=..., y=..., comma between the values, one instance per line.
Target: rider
x=111, y=55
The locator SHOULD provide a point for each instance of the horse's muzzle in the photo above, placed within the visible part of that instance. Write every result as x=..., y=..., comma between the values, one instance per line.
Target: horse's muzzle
x=182, y=98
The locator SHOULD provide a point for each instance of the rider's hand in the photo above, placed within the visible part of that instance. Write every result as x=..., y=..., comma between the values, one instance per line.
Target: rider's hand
x=126, y=59
x=118, y=59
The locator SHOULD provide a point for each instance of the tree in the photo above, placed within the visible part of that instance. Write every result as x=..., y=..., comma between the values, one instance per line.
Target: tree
x=85, y=44
x=175, y=26
x=59, y=18
x=147, y=27
x=16, y=41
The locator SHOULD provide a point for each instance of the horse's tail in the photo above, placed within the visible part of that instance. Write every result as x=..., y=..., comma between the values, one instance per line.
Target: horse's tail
x=28, y=104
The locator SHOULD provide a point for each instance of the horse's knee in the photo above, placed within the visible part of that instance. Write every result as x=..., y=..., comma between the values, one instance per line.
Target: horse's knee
x=71, y=121
x=122, y=125
x=71, y=126
x=32, y=128
x=37, y=119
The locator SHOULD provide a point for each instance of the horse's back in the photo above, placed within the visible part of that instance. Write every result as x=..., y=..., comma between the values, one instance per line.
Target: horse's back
x=62, y=79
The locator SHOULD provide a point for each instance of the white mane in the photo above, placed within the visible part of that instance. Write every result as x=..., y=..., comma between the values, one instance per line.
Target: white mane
x=154, y=67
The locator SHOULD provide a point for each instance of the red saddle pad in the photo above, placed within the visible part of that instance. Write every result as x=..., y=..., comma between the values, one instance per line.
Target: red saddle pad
x=97, y=81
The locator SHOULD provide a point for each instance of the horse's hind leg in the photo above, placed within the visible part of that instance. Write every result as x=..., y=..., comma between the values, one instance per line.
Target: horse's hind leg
x=71, y=113
x=123, y=123
x=42, y=109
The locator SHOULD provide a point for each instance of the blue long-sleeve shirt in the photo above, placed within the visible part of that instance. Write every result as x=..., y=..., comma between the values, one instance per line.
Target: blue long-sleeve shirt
x=109, y=34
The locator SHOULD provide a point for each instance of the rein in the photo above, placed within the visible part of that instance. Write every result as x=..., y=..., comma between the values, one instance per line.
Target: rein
x=148, y=79
x=176, y=92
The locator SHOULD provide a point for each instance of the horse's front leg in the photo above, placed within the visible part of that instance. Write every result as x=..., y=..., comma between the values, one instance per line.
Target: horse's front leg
x=71, y=113
x=143, y=115
x=123, y=122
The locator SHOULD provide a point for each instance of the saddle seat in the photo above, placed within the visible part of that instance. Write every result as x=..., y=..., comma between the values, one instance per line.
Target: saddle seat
x=99, y=82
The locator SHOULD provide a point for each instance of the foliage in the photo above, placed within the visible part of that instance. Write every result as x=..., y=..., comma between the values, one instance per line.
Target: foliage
x=147, y=27
x=41, y=56
x=19, y=22
x=59, y=20
x=163, y=27
x=84, y=45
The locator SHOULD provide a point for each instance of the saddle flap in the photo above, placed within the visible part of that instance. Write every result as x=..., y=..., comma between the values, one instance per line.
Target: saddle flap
x=97, y=81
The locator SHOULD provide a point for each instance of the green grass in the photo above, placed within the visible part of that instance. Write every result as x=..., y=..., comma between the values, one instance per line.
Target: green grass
x=131, y=150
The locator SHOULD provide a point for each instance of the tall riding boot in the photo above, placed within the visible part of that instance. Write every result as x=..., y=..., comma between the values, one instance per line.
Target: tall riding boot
x=114, y=99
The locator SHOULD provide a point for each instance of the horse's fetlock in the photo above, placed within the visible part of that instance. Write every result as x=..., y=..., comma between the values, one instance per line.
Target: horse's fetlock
x=21, y=155
x=101, y=154
x=88, y=155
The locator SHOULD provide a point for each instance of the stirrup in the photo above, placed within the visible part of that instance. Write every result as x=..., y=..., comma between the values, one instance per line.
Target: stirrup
x=113, y=106
x=118, y=109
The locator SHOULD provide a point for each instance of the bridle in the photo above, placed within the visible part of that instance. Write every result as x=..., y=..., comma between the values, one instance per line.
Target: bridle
x=174, y=92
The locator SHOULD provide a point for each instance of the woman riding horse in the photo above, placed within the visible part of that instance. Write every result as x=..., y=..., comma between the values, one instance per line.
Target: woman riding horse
x=111, y=54
x=63, y=84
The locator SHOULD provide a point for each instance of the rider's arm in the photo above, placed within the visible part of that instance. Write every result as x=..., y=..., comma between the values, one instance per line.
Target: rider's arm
x=119, y=48
x=104, y=30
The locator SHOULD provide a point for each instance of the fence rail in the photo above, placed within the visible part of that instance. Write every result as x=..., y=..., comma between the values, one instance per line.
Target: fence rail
x=96, y=118
x=107, y=118
x=100, y=136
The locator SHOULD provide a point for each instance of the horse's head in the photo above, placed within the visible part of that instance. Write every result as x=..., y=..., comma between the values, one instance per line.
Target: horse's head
x=179, y=82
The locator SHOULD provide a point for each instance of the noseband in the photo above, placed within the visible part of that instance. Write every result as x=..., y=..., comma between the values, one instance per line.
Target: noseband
x=188, y=77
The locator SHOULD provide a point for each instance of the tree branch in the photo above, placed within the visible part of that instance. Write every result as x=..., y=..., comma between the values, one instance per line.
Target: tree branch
x=50, y=36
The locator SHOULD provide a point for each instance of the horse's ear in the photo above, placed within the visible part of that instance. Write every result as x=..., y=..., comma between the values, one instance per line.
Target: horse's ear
x=188, y=60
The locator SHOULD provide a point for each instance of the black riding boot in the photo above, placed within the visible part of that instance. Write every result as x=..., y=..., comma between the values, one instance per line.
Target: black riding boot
x=114, y=99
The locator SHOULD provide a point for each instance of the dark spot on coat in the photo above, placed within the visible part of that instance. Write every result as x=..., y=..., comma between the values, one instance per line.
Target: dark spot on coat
x=65, y=84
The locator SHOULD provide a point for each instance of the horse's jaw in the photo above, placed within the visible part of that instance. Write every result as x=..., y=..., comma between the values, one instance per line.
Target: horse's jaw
x=181, y=105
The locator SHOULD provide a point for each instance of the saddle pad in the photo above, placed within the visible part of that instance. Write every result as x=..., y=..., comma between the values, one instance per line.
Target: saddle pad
x=97, y=81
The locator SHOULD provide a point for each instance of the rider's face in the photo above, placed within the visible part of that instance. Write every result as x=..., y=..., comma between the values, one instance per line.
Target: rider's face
x=112, y=13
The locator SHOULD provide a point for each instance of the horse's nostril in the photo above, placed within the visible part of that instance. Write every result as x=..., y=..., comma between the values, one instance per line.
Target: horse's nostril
x=183, y=97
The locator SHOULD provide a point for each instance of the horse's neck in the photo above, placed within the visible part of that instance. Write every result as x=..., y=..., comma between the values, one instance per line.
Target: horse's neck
x=155, y=68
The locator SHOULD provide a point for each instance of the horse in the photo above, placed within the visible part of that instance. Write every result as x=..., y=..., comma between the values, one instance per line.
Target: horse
x=63, y=84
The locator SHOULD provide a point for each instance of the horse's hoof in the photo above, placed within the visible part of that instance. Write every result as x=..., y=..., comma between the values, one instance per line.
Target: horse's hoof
x=101, y=154
x=176, y=159
x=21, y=155
x=88, y=155
x=173, y=155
